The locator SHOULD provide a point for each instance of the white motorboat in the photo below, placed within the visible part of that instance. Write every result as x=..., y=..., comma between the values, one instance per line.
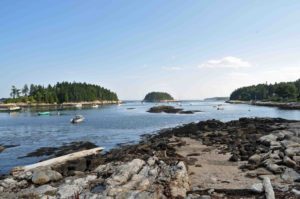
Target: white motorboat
x=78, y=105
x=95, y=106
x=77, y=119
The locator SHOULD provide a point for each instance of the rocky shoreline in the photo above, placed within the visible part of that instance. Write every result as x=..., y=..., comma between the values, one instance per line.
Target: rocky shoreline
x=282, y=105
x=249, y=158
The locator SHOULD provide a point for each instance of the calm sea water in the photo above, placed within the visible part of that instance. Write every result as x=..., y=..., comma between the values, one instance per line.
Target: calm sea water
x=108, y=125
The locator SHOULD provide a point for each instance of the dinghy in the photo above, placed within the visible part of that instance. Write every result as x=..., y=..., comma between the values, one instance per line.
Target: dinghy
x=77, y=119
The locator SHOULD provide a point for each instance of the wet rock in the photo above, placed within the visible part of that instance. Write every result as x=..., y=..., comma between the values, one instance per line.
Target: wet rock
x=44, y=175
x=1, y=149
x=234, y=158
x=165, y=109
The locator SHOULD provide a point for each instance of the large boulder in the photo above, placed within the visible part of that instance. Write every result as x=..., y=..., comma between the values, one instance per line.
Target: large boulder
x=44, y=175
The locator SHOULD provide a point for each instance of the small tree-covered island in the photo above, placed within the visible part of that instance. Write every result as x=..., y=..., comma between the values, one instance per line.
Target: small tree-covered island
x=158, y=97
x=61, y=93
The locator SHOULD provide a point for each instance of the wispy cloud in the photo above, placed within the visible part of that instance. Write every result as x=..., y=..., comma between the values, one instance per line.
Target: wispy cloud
x=226, y=62
x=172, y=68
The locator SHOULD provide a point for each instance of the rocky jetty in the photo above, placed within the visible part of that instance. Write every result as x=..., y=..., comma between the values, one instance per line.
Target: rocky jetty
x=249, y=158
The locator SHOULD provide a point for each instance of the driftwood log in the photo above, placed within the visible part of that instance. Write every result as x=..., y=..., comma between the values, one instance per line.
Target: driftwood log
x=269, y=192
x=58, y=160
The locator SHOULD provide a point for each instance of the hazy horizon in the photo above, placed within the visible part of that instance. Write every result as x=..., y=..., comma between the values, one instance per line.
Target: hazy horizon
x=192, y=50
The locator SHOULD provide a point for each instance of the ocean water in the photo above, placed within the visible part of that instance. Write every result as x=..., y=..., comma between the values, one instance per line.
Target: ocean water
x=109, y=125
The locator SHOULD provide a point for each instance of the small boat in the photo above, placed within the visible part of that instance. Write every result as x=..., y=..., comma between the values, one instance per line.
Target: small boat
x=14, y=108
x=95, y=106
x=44, y=113
x=78, y=105
x=77, y=119
x=11, y=109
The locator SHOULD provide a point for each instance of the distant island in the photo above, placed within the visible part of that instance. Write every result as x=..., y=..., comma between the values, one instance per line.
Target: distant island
x=278, y=92
x=217, y=99
x=60, y=93
x=158, y=97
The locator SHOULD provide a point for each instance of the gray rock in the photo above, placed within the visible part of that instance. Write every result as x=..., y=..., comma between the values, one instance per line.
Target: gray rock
x=275, y=168
x=180, y=183
x=124, y=172
x=66, y=191
x=8, y=183
x=292, y=151
x=1, y=149
x=290, y=175
x=44, y=175
x=296, y=159
x=46, y=190
x=281, y=187
x=24, y=175
x=289, y=162
x=267, y=139
x=255, y=159
x=258, y=188
x=296, y=192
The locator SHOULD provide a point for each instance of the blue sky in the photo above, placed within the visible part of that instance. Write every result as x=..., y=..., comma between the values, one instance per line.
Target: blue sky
x=191, y=49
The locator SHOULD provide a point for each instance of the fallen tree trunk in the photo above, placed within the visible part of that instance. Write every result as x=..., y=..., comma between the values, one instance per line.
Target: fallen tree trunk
x=58, y=160
x=269, y=192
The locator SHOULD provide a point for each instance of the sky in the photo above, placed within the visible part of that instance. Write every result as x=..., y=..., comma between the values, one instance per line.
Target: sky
x=191, y=49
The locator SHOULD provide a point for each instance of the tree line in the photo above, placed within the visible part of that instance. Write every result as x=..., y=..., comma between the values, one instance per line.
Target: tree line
x=283, y=91
x=60, y=93
x=157, y=96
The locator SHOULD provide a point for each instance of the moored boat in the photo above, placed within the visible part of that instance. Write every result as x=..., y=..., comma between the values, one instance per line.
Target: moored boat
x=11, y=109
x=78, y=105
x=95, y=106
x=77, y=119
x=44, y=113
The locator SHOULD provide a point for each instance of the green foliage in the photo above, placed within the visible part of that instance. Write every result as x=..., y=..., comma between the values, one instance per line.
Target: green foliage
x=157, y=96
x=284, y=91
x=61, y=92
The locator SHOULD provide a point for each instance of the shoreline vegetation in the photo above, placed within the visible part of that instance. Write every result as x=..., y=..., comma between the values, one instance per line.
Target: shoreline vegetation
x=249, y=157
x=285, y=95
x=60, y=93
x=284, y=92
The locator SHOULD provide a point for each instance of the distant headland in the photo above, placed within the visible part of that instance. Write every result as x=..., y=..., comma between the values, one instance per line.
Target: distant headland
x=283, y=95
